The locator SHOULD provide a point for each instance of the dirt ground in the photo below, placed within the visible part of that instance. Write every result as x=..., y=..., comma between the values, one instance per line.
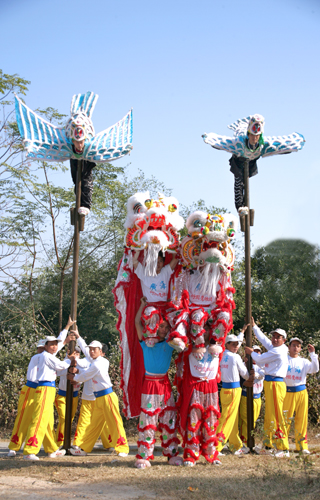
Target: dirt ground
x=103, y=475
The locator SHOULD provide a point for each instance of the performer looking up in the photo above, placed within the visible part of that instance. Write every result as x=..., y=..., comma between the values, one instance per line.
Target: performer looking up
x=88, y=401
x=275, y=363
x=27, y=394
x=257, y=390
x=232, y=367
x=296, y=400
x=158, y=408
x=41, y=426
x=106, y=406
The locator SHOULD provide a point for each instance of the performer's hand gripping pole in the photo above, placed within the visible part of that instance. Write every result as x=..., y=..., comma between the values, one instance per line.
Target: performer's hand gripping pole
x=250, y=420
x=74, y=298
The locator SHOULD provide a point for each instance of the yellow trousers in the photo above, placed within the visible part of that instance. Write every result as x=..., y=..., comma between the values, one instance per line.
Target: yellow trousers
x=297, y=402
x=84, y=421
x=228, y=422
x=23, y=418
x=41, y=426
x=106, y=410
x=243, y=422
x=274, y=422
x=60, y=404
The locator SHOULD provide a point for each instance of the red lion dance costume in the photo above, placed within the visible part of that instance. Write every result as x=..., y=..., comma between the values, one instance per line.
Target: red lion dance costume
x=209, y=258
x=151, y=226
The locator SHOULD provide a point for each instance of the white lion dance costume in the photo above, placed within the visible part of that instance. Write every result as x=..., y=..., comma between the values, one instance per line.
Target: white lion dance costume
x=243, y=146
x=46, y=142
x=208, y=258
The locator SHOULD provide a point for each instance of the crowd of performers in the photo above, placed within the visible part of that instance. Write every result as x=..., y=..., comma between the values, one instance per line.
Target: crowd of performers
x=204, y=425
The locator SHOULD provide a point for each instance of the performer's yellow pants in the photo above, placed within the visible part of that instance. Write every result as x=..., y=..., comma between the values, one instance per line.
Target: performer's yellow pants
x=228, y=422
x=60, y=404
x=243, y=422
x=297, y=402
x=41, y=426
x=84, y=421
x=106, y=410
x=274, y=423
x=23, y=419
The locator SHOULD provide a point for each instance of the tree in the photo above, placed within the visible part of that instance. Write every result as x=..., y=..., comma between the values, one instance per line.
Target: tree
x=285, y=288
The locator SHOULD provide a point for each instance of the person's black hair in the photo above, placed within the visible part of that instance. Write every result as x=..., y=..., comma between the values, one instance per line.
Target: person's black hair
x=160, y=254
x=105, y=349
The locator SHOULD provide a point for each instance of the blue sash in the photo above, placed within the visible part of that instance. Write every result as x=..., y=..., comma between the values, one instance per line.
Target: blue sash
x=269, y=378
x=34, y=385
x=297, y=388
x=99, y=394
x=230, y=385
x=47, y=383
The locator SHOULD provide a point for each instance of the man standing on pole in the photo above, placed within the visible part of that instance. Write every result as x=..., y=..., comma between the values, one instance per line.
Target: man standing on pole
x=246, y=146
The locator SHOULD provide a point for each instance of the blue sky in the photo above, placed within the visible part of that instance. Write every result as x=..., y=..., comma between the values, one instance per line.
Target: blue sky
x=186, y=68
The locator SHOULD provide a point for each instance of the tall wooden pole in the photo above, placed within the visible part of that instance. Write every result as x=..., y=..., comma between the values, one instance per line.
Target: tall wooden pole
x=74, y=299
x=250, y=420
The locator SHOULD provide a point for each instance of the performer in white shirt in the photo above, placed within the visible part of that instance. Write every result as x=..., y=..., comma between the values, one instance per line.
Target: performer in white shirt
x=231, y=367
x=257, y=390
x=26, y=399
x=41, y=426
x=275, y=363
x=296, y=400
x=60, y=401
x=88, y=401
x=106, y=407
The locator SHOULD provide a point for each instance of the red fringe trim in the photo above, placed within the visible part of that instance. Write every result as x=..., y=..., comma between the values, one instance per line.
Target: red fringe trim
x=147, y=445
x=145, y=458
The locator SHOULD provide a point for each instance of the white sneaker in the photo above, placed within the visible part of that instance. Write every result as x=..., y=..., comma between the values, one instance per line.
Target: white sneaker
x=31, y=457
x=78, y=452
x=221, y=454
x=216, y=462
x=187, y=463
x=245, y=449
x=83, y=211
x=57, y=453
x=11, y=453
x=239, y=452
x=75, y=447
x=122, y=454
x=282, y=454
x=304, y=452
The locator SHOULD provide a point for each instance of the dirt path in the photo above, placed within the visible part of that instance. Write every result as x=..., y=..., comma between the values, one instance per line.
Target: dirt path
x=103, y=475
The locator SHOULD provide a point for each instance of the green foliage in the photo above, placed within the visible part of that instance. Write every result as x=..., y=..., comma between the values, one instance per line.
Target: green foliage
x=285, y=289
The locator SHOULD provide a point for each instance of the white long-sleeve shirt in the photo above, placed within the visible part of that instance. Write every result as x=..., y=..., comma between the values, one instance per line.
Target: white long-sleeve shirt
x=63, y=380
x=87, y=391
x=299, y=368
x=206, y=368
x=258, y=379
x=232, y=367
x=49, y=365
x=98, y=371
x=275, y=361
x=32, y=373
x=155, y=288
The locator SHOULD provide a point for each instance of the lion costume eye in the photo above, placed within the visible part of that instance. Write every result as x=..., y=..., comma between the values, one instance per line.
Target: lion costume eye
x=137, y=208
x=148, y=203
x=197, y=223
x=172, y=207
